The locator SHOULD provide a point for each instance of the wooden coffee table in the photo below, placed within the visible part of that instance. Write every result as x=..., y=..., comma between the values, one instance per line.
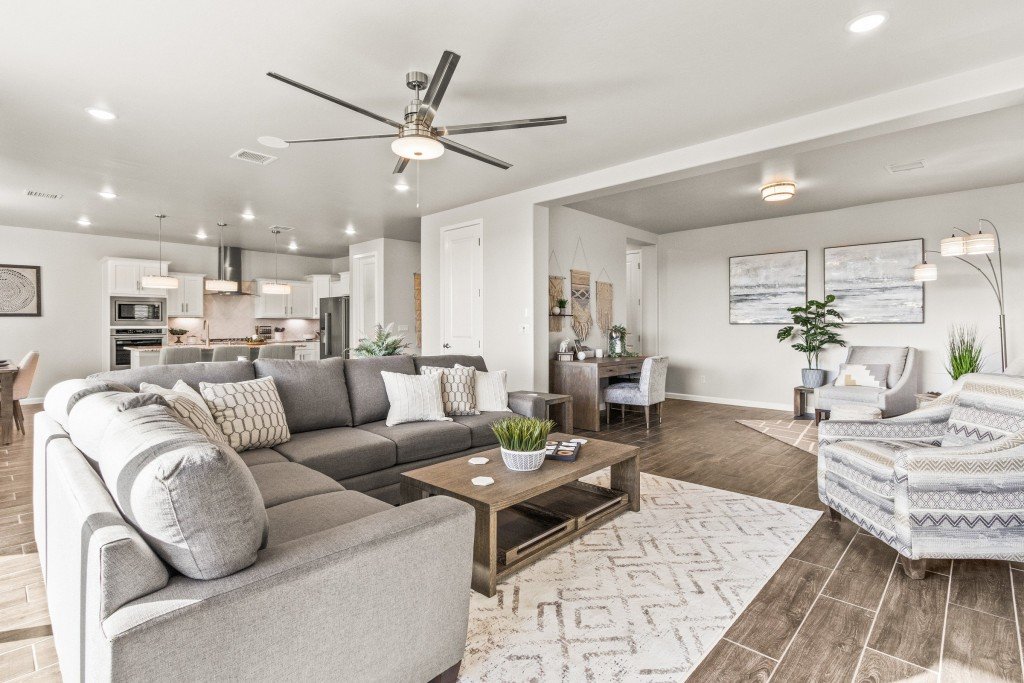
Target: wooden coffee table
x=523, y=516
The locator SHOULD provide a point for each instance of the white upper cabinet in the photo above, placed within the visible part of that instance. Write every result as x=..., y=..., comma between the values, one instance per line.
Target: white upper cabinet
x=269, y=305
x=342, y=286
x=321, y=290
x=124, y=276
x=297, y=304
x=187, y=300
x=300, y=301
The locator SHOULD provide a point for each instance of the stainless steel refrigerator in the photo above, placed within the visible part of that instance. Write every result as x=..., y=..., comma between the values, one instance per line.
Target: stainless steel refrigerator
x=334, y=339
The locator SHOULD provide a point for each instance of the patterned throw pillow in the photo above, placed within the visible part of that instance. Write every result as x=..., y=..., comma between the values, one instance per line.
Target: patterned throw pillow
x=862, y=375
x=491, y=391
x=190, y=410
x=413, y=398
x=250, y=414
x=458, y=389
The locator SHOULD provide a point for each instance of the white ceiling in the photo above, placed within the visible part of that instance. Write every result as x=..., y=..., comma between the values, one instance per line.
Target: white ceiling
x=965, y=153
x=187, y=81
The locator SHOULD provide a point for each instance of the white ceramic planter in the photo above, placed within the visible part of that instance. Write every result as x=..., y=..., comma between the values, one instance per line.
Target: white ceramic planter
x=523, y=461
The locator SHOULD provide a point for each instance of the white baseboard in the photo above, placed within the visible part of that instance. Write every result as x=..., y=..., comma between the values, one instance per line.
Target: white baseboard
x=31, y=401
x=730, y=401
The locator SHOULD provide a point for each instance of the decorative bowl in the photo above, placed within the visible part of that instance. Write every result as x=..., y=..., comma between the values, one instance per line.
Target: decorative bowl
x=523, y=461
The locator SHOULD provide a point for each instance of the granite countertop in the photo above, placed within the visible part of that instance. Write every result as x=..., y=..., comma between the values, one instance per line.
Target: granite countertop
x=156, y=349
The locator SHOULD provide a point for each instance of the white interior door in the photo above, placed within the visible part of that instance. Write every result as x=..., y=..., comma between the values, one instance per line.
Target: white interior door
x=365, y=299
x=462, y=307
x=634, y=299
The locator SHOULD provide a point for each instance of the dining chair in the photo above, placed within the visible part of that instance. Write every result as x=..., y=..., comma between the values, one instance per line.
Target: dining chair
x=221, y=353
x=277, y=352
x=22, y=386
x=175, y=355
x=648, y=391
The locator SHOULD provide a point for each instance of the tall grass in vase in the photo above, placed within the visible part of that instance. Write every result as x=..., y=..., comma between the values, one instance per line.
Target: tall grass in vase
x=963, y=351
x=523, y=441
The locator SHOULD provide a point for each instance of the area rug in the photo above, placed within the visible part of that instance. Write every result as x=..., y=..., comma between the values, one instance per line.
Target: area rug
x=643, y=598
x=799, y=433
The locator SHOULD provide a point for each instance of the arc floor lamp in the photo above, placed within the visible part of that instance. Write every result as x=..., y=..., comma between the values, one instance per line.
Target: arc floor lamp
x=962, y=243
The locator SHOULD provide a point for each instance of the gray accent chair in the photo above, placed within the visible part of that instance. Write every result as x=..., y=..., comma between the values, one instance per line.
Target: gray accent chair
x=648, y=391
x=226, y=353
x=277, y=352
x=175, y=355
x=903, y=382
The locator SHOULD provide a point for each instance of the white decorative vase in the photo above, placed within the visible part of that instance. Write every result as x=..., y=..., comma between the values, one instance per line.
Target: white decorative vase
x=523, y=461
x=555, y=310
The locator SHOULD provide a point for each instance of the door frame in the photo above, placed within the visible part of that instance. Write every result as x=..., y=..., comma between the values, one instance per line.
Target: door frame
x=356, y=301
x=640, y=314
x=445, y=284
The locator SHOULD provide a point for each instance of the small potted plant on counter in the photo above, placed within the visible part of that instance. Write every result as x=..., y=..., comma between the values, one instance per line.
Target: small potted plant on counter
x=814, y=328
x=617, y=341
x=177, y=333
x=523, y=441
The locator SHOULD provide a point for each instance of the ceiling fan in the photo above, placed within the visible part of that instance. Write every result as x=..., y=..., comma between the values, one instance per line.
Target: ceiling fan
x=418, y=138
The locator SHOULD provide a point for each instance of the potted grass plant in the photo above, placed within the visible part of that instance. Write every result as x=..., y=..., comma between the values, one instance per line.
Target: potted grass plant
x=523, y=441
x=963, y=351
x=814, y=328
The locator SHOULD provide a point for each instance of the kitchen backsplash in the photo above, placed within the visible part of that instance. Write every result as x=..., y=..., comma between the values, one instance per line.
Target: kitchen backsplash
x=232, y=316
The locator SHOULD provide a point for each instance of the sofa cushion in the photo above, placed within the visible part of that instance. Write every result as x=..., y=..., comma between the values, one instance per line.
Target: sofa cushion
x=282, y=482
x=868, y=395
x=89, y=417
x=63, y=396
x=194, y=501
x=190, y=373
x=480, y=427
x=893, y=356
x=313, y=514
x=340, y=452
x=450, y=361
x=261, y=456
x=366, y=393
x=249, y=413
x=313, y=392
x=419, y=440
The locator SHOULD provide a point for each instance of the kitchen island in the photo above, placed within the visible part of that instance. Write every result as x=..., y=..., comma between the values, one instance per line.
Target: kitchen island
x=144, y=356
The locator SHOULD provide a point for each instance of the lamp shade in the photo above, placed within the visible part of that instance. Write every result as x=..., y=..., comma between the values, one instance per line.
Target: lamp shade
x=953, y=246
x=159, y=282
x=926, y=272
x=221, y=286
x=777, y=192
x=417, y=147
x=276, y=288
x=981, y=243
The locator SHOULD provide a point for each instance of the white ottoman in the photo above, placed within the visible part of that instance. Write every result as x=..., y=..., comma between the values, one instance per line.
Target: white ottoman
x=851, y=412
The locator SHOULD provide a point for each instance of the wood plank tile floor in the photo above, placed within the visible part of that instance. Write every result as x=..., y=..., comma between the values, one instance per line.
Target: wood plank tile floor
x=839, y=609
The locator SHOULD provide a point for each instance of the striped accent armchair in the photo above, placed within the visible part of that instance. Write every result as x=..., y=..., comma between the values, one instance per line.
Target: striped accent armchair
x=945, y=481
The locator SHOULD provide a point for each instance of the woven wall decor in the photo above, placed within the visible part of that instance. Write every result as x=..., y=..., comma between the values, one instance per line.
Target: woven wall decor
x=579, y=283
x=555, y=285
x=604, y=305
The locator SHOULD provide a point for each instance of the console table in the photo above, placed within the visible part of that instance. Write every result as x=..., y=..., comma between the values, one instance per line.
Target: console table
x=584, y=380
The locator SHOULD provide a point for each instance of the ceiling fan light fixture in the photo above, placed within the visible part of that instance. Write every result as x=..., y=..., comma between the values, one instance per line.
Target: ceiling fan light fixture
x=777, y=192
x=417, y=147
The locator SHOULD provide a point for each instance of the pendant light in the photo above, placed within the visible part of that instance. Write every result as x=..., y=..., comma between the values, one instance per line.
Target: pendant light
x=160, y=281
x=221, y=285
x=276, y=287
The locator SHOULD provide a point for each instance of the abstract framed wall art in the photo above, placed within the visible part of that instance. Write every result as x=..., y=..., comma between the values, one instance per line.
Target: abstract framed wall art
x=20, y=291
x=874, y=283
x=762, y=287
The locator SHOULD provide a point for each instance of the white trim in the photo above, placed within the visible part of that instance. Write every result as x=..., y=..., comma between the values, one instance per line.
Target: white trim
x=31, y=401
x=729, y=401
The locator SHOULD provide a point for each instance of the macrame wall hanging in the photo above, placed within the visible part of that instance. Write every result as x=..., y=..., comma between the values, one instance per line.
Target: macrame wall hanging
x=581, y=318
x=604, y=294
x=556, y=284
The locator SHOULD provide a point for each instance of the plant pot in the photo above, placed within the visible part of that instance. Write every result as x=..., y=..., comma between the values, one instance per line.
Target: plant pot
x=523, y=461
x=813, y=379
x=555, y=310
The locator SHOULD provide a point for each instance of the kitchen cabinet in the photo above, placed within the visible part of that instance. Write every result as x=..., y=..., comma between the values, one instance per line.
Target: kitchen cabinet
x=300, y=301
x=187, y=300
x=341, y=286
x=269, y=305
x=309, y=351
x=297, y=304
x=124, y=276
x=321, y=290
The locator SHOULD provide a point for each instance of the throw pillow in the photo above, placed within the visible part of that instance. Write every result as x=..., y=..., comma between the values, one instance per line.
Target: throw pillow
x=250, y=414
x=458, y=389
x=191, y=409
x=413, y=398
x=491, y=391
x=862, y=375
x=987, y=408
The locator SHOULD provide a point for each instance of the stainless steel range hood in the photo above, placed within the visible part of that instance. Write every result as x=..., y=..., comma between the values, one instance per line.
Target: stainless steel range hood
x=229, y=267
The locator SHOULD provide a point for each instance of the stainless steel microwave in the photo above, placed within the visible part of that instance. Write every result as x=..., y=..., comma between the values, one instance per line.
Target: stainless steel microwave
x=138, y=311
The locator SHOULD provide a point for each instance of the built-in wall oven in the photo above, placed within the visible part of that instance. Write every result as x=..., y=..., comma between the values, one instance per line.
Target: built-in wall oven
x=133, y=310
x=123, y=338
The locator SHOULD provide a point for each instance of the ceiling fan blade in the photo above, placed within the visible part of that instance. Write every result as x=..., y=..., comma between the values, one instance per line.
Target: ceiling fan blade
x=350, y=137
x=437, y=86
x=500, y=125
x=335, y=100
x=400, y=166
x=474, y=154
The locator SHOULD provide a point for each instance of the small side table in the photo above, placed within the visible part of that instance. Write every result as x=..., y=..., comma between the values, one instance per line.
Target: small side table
x=558, y=404
x=800, y=395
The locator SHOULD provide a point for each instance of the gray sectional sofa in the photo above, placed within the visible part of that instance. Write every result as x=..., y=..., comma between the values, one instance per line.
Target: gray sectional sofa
x=344, y=586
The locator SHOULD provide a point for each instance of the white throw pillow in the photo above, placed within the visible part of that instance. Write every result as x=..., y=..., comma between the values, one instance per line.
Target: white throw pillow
x=413, y=398
x=191, y=410
x=458, y=389
x=491, y=391
x=250, y=413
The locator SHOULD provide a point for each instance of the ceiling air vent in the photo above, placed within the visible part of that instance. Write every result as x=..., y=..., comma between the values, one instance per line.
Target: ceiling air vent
x=903, y=168
x=252, y=157
x=43, y=195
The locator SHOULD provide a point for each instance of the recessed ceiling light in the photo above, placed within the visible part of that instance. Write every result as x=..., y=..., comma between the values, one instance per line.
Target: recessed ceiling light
x=401, y=186
x=777, y=192
x=84, y=222
x=248, y=215
x=201, y=235
x=867, y=22
x=271, y=141
x=350, y=230
x=293, y=245
x=107, y=194
x=101, y=114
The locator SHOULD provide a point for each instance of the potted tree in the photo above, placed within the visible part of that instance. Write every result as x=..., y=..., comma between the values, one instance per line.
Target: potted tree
x=814, y=328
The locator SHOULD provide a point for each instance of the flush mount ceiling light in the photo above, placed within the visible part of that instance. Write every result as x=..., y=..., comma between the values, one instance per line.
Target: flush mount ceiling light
x=276, y=287
x=867, y=22
x=221, y=285
x=84, y=222
x=101, y=114
x=107, y=194
x=350, y=230
x=417, y=146
x=271, y=141
x=401, y=186
x=160, y=281
x=201, y=235
x=248, y=215
x=777, y=192
x=293, y=245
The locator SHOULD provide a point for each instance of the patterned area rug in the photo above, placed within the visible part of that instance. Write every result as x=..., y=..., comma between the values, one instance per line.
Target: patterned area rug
x=799, y=433
x=643, y=598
